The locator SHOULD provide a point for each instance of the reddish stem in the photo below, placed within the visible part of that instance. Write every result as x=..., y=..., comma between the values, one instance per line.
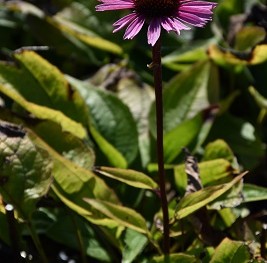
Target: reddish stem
x=157, y=72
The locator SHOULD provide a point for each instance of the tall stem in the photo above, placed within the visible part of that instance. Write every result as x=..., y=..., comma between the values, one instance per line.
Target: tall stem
x=157, y=71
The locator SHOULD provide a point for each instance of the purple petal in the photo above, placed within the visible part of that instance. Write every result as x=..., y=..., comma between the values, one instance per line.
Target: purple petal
x=115, y=5
x=124, y=21
x=154, y=30
x=134, y=28
x=173, y=24
x=196, y=13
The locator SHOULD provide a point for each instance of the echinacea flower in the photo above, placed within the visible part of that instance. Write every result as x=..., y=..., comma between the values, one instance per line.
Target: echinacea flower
x=172, y=15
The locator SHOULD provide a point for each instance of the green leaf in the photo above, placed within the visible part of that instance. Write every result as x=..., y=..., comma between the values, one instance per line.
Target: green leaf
x=111, y=118
x=227, y=58
x=232, y=252
x=78, y=151
x=241, y=135
x=73, y=183
x=25, y=171
x=252, y=193
x=45, y=113
x=77, y=227
x=181, y=136
x=186, y=94
x=138, y=97
x=50, y=85
x=218, y=149
x=134, y=245
x=194, y=201
x=113, y=155
x=248, y=37
x=124, y=216
x=127, y=176
x=175, y=257
x=210, y=173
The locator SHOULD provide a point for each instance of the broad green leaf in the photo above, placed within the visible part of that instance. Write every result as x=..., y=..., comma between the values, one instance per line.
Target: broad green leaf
x=232, y=252
x=51, y=85
x=84, y=35
x=134, y=244
x=181, y=136
x=241, y=136
x=75, y=226
x=63, y=32
x=113, y=155
x=127, y=176
x=248, y=37
x=45, y=113
x=194, y=201
x=252, y=193
x=218, y=149
x=111, y=118
x=77, y=150
x=175, y=257
x=138, y=97
x=73, y=183
x=25, y=171
x=124, y=216
x=183, y=58
x=210, y=172
x=226, y=57
x=186, y=94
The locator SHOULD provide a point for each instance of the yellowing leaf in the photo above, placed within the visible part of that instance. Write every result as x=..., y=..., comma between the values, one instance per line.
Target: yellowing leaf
x=45, y=113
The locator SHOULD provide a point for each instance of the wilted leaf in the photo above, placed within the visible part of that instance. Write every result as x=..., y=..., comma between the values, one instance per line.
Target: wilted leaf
x=127, y=176
x=231, y=251
x=125, y=216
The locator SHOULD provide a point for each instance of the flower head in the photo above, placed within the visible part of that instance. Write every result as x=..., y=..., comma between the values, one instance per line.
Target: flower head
x=172, y=15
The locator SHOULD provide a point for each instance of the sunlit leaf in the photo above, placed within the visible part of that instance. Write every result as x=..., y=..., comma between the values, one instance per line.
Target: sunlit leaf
x=231, y=251
x=45, y=113
x=123, y=215
x=73, y=183
x=226, y=57
x=130, y=177
x=51, y=85
x=194, y=201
